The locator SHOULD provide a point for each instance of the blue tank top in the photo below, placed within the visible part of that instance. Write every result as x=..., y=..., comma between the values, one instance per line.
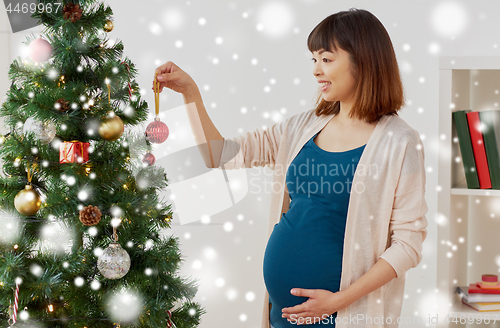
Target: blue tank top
x=305, y=248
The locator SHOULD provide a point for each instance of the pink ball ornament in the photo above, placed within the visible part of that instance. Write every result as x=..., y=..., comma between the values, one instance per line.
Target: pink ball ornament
x=149, y=159
x=157, y=131
x=40, y=50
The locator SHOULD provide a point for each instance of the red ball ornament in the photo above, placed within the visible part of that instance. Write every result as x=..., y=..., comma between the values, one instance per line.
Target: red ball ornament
x=157, y=131
x=40, y=50
x=149, y=159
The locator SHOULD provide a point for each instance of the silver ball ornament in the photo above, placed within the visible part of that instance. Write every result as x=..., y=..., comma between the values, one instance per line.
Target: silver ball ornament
x=45, y=131
x=114, y=262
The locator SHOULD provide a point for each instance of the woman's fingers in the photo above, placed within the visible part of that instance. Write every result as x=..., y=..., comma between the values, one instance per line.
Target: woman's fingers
x=157, y=86
x=171, y=76
x=168, y=67
x=167, y=77
x=163, y=74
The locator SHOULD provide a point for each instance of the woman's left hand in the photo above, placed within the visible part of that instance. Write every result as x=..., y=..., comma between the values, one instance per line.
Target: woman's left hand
x=320, y=305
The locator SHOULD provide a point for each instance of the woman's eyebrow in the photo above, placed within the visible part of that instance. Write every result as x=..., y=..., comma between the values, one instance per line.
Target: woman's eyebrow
x=323, y=50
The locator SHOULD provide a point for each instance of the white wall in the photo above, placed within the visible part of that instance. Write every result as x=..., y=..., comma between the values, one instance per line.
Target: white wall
x=152, y=32
x=10, y=48
x=5, y=57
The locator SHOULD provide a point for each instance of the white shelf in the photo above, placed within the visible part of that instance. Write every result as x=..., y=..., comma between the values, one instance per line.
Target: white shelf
x=467, y=226
x=461, y=189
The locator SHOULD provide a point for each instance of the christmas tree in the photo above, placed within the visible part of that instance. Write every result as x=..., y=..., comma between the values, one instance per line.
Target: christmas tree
x=81, y=218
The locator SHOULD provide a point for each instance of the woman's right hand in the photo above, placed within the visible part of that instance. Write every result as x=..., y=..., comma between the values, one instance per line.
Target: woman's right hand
x=172, y=77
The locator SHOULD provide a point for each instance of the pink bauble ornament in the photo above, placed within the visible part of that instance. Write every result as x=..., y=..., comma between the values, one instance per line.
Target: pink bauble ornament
x=149, y=159
x=157, y=131
x=40, y=50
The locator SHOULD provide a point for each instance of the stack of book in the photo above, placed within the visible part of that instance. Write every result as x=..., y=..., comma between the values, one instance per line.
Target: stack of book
x=481, y=297
x=479, y=141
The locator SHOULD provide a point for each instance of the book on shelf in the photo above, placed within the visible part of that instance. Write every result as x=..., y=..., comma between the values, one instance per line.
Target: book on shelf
x=490, y=120
x=476, y=136
x=478, y=289
x=464, y=141
x=483, y=306
x=473, y=293
x=479, y=141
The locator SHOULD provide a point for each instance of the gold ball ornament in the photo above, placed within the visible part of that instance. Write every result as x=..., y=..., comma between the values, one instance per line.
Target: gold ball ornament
x=108, y=26
x=27, y=201
x=111, y=127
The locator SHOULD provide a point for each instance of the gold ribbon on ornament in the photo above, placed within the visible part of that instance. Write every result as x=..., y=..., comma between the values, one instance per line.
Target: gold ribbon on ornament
x=157, y=95
x=109, y=93
x=30, y=176
x=30, y=173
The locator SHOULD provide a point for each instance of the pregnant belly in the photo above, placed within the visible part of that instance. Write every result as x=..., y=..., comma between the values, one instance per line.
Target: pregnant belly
x=308, y=258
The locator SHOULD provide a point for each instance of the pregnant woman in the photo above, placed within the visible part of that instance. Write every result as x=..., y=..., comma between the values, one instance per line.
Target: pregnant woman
x=347, y=217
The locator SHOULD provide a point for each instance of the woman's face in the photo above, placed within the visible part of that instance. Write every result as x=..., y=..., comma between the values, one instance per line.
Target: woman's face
x=334, y=68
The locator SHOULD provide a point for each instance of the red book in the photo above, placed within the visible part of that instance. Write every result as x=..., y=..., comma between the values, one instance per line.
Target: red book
x=475, y=289
x=476, y=136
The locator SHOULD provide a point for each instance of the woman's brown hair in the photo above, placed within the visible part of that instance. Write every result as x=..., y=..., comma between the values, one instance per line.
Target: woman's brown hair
x=379, y=89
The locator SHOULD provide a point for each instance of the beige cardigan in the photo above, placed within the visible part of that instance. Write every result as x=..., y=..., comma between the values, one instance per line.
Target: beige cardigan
x=386, y=213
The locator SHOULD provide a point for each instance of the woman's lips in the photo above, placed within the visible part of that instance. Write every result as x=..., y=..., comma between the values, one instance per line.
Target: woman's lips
x=323, y=88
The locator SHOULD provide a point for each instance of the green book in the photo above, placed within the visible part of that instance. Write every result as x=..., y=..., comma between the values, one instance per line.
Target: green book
x=465, y=144
x=490, y=121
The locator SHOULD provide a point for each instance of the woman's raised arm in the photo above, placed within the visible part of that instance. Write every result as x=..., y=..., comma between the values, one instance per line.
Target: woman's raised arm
x=171, y=76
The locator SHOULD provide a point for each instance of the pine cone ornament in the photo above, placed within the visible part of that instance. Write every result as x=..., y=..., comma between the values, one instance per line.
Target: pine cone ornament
x=72, y=11
x=62, y=105
x=90, y=215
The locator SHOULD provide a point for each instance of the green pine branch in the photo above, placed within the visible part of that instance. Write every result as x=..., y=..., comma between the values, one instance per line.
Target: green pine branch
x=83, y=64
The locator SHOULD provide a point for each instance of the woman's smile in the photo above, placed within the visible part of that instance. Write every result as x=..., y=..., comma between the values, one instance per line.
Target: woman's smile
x=324, y=86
